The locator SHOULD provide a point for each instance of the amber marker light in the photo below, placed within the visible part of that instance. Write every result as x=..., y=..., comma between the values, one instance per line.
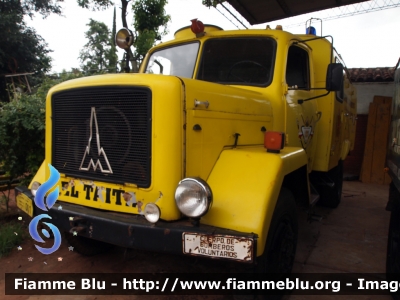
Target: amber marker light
x=274, y=141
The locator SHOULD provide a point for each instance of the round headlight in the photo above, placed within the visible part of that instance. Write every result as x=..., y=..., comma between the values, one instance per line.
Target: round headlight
x=193, y=197
x=152, y=212
x=34, y=187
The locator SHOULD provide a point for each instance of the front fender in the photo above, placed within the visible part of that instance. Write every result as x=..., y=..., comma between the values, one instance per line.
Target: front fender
x=245, y=183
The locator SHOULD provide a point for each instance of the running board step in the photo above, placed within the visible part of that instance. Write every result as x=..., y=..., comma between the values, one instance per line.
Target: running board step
x=314, y=195
x=314, y=217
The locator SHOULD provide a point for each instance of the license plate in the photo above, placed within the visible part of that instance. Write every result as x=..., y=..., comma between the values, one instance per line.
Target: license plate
x=24, y=203
x=218, y=246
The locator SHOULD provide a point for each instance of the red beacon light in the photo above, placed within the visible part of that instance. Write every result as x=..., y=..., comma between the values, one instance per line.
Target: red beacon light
x=197, y=27
x=274, y=141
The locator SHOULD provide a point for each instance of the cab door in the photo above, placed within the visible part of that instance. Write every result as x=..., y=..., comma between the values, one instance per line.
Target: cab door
x=302, y=116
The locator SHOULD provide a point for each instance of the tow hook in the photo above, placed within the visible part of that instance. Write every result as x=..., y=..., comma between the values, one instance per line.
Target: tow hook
x=78, y=225
x=78, y=229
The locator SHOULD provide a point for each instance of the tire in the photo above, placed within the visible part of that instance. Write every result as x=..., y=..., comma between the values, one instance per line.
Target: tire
x=393, y=245
x=331, y=196
x=87, y=246
x=280, y=248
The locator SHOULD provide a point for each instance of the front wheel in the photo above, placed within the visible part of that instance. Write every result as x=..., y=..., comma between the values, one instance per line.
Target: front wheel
x=280, y=250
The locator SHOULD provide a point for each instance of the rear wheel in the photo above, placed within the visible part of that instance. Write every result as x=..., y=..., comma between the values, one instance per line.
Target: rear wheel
x=86, y=246
x=393, y=246
x=331, y=193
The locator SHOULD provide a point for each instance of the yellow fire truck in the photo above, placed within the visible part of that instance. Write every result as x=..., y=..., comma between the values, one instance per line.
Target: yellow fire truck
x=393, y=164
x=206, y=151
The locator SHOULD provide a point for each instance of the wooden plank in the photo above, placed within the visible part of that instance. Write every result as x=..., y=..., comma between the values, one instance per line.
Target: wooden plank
x=380, y=143
x=369, y=144
x=6, y=187
x=387, y=180
x=382, y=100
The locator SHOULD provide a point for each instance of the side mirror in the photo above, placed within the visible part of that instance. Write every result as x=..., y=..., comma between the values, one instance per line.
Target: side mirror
x=334, y=77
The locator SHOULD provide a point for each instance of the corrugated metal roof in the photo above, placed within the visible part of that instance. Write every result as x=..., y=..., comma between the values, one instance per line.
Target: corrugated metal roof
x=385, y=74
x=261, y=11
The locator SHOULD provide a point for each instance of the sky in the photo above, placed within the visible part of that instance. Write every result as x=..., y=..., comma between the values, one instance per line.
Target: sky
x=366, y=40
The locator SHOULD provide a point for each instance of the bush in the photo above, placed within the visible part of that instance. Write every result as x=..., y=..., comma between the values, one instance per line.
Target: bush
x=22, y=130
x=11, y=235
x=22, y=135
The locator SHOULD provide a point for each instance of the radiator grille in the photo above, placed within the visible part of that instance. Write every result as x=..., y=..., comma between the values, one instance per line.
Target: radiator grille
x=123, y=133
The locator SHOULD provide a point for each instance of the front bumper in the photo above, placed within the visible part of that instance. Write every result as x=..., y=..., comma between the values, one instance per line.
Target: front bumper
x=131, y=231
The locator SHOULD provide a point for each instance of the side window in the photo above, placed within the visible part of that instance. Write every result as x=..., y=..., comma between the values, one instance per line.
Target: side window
x=340, y=94
x=297, y=69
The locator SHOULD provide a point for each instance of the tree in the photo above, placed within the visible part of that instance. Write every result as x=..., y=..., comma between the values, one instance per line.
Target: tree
x=94, y=4
x=22, y=50
x=150, y=22
x=98, y=53
x=212, y=3
x=149, y=18
x=113, y=57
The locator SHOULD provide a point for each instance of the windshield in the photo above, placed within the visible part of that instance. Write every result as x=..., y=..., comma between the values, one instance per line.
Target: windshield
x=177, y=60
x=243, y=61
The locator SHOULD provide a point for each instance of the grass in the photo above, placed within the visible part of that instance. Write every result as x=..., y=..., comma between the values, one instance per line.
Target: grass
x=11, y=235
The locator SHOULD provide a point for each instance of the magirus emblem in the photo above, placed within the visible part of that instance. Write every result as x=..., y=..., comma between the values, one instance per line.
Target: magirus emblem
x=100, y=150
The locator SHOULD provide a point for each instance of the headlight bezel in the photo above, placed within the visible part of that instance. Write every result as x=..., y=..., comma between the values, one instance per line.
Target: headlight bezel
x=205, y=200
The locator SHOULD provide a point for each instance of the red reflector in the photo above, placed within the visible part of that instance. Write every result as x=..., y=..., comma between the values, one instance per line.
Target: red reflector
x=274, y=141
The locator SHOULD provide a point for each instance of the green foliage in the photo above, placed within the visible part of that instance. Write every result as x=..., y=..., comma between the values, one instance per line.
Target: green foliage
x=114, y=28
x=95, y=4
x=22, y=49
x=145, y=40
x=212, y=3
x=150, y=22
x=43, y=7
x=98, y=53
x=11, y=235
x=22, y=130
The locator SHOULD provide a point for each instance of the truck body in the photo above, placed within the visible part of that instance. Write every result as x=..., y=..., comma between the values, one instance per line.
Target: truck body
x=206, y=151
x=393, y=164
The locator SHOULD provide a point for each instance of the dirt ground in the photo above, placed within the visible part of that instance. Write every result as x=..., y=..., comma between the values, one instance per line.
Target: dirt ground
x=351, y=238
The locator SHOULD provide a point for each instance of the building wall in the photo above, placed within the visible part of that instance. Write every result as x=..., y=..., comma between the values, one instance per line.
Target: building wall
x=366, y=92
x=365, y=95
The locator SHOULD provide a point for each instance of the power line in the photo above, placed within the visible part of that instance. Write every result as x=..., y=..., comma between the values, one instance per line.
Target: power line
x=349, y=10
x=238, y=17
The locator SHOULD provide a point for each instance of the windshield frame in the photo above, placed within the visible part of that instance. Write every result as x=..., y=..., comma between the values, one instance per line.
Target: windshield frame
x=150, y=54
